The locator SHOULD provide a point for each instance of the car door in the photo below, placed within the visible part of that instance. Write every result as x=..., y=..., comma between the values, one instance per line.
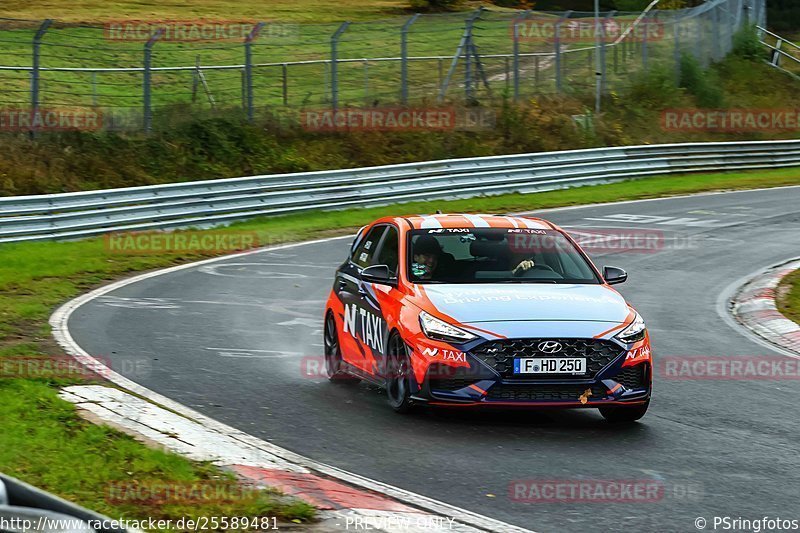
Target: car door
x=379, y=299
x=359, y=320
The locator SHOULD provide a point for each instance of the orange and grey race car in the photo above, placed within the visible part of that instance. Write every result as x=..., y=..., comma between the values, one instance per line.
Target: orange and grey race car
x=485, y=310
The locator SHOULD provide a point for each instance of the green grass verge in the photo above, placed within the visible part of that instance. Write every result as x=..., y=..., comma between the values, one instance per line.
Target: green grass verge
x=292, y=10
x=789, y=296
x=291, y=36
x=44, y=442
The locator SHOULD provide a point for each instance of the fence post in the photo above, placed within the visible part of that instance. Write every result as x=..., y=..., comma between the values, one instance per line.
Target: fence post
x=147, y=82
x=366, y=81
x=468, y=93
x=698, y=39
x=558, y=59
x=335, y=66
x=716, y=55
x=677, y=53
x=195, y=78
x=644, y=41
x=517, y=21
x=463, y=48
x=404, y=58
x=243, y=81
x=35, y=82
x=94, y=89
x=248, y=68
x=285, y=84
x=604, y=52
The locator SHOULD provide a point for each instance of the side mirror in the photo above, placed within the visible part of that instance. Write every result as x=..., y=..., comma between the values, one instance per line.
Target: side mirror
x=378, y=274
x=614, y=275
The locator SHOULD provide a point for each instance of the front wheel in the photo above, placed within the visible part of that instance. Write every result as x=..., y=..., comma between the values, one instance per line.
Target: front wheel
x=622, y=414
x=334, y=365
x=398, y=368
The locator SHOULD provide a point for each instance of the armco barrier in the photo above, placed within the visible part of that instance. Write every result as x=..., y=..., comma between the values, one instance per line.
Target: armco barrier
x=82, y=214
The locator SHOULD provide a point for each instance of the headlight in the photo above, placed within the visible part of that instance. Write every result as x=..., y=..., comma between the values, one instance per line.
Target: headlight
x=634, y=332
x=442, y=331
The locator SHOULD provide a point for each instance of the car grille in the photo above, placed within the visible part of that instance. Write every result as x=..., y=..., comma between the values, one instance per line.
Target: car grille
x=450, y=384
x=633, y=377
x=449, y=378
x=500, y=354
x=535, y=393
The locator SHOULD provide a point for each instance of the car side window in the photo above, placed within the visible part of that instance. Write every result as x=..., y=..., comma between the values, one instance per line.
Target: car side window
x=389, y=253
x=364, y=251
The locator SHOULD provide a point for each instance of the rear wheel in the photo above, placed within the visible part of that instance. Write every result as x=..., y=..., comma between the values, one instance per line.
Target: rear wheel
x=334, y=365
x=398, y=368
x=622, y=414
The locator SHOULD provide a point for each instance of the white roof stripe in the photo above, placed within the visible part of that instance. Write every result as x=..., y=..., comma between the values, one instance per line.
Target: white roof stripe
x=513, y=221
x=430, y=222
x=532, y=224
x=477, y=221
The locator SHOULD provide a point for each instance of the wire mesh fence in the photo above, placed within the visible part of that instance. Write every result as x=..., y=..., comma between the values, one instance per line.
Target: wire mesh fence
x=134, y=72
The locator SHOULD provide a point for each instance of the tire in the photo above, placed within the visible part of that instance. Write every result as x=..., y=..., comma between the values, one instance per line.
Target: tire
x=334, y=365
x=623, y=415
x=398, y=367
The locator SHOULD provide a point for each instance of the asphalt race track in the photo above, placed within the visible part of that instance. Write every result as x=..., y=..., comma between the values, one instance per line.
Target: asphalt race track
x=233, y=339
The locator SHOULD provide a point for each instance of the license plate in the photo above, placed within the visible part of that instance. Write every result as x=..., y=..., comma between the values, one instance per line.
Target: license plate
x=550, y=365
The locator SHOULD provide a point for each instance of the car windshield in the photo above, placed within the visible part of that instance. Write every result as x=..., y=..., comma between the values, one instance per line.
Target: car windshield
x=495, y=255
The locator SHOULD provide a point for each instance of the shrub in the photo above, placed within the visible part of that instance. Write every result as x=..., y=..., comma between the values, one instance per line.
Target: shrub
x=746, y=43
x=700, y=83
x=653, y=89
x=434, y=5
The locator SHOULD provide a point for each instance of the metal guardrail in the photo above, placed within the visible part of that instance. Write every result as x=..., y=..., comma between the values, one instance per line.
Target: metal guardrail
x=202, y=203
x=784, y=53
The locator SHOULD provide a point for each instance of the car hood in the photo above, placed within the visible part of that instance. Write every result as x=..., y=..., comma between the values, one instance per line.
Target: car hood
x=479, y=303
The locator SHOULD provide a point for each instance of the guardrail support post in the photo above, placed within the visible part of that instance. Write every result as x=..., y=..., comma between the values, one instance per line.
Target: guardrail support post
x=248, y=68
x=147, y=82
x=404, y=58
x=335, y=65
x=35, y=81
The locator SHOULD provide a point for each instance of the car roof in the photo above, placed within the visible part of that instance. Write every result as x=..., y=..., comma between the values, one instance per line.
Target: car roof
x=465, y=220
